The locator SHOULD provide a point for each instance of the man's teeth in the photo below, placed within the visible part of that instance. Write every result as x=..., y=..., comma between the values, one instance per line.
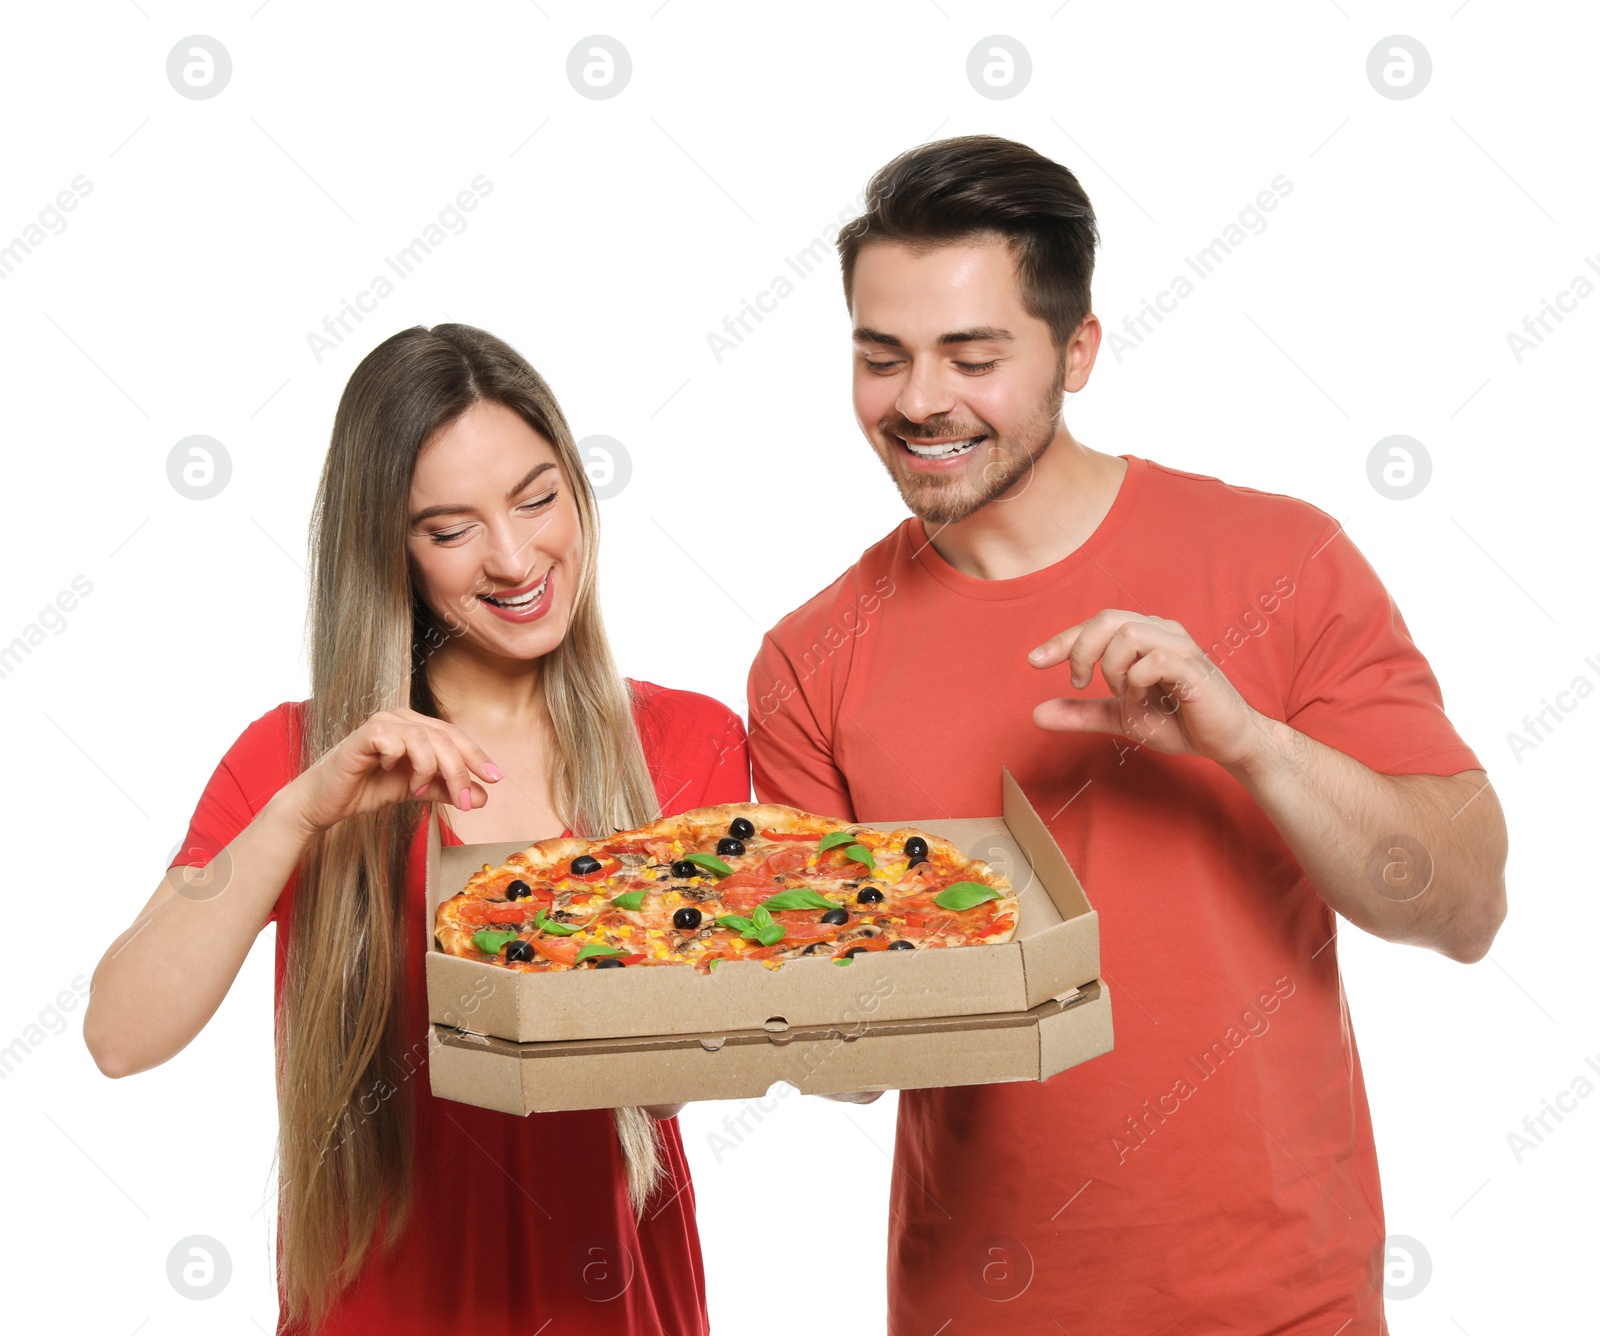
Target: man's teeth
x=523, y=601
x=944, y=450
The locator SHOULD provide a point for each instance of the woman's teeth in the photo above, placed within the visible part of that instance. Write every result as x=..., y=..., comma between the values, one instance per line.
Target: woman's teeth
x=943, y=450
x=523, y=601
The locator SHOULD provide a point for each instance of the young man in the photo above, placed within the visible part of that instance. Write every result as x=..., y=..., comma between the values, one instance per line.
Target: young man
x=1213, y=701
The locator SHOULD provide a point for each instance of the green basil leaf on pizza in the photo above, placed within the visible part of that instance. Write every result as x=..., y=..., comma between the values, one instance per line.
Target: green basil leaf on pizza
x=491, y=941
x=961, y=895
x=542, y=924
x=803, y=898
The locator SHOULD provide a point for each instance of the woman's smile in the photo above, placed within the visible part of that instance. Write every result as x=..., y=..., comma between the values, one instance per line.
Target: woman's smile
x=527, y=604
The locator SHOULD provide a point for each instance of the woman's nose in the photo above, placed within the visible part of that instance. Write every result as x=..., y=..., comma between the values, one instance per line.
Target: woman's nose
x=511, y=554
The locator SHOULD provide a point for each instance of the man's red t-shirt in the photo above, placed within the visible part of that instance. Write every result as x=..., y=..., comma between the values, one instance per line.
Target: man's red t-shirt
x=516, y=1222
x=1216, y=1172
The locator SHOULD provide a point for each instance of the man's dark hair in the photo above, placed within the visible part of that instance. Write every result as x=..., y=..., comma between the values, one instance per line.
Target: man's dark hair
x=957, y=189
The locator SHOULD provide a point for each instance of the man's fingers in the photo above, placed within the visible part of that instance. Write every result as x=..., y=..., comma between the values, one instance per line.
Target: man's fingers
x=1135, y=645
x=1157, y=668
x=1083, y=644
x=1121, y=654
x=1055, y=649
x=1079, y=716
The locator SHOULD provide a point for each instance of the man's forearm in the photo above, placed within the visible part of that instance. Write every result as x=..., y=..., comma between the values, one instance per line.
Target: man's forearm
x=1410, y=858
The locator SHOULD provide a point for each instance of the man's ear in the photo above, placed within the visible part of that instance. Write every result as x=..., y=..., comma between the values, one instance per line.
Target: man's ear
x=1078, y=357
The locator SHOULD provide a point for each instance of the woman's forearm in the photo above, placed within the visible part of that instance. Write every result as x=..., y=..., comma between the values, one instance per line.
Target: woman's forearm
x=163, y=979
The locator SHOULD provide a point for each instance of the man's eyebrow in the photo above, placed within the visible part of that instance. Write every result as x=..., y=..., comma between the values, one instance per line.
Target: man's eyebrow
x=977, y=334
x=862, y=334
x=458, y=508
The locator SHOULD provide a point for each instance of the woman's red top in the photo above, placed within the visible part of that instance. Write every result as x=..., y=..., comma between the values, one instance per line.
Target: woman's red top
x=516, y=1222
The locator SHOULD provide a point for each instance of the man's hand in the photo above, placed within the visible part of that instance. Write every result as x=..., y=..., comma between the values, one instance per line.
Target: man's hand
x=1167, y=695
x=1346, y=823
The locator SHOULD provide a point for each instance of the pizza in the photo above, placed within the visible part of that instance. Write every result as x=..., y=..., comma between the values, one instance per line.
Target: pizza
x=739, y=881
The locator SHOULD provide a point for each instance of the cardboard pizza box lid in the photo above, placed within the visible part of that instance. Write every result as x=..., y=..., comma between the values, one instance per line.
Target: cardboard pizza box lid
x=1056, y=948
x=871, y=1053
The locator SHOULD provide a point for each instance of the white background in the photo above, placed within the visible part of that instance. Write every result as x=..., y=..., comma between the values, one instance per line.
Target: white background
x=218, y=234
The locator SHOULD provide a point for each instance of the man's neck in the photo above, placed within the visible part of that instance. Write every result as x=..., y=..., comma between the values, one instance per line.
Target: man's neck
x=1046, y=516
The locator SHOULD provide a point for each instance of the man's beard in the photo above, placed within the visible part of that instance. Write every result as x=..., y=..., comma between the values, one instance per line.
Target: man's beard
x=992, y=469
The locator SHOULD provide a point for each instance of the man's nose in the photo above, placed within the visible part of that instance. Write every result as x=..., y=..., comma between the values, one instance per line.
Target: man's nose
x=923, y=395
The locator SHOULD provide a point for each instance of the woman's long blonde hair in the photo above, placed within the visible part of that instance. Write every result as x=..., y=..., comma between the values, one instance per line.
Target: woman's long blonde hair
x=346, y=1120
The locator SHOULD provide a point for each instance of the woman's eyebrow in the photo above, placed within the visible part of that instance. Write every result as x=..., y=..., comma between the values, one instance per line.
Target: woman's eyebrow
x=460, y=508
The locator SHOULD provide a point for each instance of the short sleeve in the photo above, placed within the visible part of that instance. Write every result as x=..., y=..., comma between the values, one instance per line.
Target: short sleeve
x=723, y=772
x=695, y=748
x=1359, y=683
x=261, y=761
x=791, y=752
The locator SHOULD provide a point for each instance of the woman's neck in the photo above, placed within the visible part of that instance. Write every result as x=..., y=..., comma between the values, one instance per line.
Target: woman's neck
x=500, y=705
x=491, y=695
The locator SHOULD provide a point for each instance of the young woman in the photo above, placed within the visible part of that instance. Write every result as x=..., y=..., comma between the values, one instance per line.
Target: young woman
x=456, y=651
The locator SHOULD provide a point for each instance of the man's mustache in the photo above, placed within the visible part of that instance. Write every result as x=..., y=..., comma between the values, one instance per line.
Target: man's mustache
x=930, y=431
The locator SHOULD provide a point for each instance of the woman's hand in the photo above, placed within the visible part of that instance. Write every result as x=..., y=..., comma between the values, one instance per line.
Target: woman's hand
x=661, y=1112
x=396, y=756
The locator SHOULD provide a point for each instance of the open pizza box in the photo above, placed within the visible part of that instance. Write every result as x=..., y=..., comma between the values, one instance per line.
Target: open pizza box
x=1022, y=1010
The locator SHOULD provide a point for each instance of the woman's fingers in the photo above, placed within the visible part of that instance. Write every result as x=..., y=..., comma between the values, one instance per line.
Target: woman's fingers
x=424, y=760
x=424, y=750
x=442, y=761
x=460, y=788
x=387, y=745
x=473, y=756
x=395, y=755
